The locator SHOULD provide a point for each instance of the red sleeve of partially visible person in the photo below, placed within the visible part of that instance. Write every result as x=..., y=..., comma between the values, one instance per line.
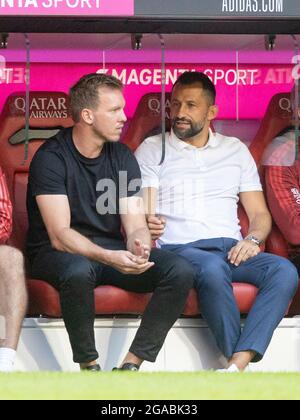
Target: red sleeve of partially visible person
x=283, y=193
x=5, y=210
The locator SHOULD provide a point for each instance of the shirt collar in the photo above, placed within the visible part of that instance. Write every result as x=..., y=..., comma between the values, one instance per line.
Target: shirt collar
x=179, y=145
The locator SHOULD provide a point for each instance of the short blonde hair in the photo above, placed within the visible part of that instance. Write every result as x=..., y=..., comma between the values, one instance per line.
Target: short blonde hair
x=84, y=94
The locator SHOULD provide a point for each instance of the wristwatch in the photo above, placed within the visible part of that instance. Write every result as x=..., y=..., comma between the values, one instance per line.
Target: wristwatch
x=254, y=239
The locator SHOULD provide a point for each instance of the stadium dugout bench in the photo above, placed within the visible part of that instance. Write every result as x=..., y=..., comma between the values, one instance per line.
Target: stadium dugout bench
x=49, y=112
x=43, y=298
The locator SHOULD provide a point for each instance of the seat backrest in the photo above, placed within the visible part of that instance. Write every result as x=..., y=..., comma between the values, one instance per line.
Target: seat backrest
x=276, y=244
x=49, y=111
x=147, y=118
x=279, y=116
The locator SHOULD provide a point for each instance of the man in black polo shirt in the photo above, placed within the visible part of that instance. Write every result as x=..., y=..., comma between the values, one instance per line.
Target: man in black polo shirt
x=83, y=186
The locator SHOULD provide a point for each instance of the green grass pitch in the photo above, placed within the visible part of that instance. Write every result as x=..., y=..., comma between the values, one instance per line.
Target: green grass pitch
x=149, y=386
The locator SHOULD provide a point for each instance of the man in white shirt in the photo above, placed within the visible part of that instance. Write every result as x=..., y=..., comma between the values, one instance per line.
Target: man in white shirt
x=192, y=200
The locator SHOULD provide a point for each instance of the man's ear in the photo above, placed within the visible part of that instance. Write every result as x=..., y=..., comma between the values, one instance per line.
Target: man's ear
x=87, y=116
x=213, y=112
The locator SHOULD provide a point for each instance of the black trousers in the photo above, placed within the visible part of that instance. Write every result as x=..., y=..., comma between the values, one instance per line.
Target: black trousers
x=76, y=277
x=298, y=267
x=296, y=261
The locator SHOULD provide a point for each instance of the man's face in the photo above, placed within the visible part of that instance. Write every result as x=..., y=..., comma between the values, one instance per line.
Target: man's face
x=189, y=111
x=109, y=117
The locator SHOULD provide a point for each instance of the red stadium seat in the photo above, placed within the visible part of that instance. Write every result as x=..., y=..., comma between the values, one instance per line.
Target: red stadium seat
x=278, y=117
x=48, y=112
x=147, y=118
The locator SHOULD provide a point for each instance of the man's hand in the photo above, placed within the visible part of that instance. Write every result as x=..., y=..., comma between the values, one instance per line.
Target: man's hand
x=127, y=263
x=156, y=226
x=242, y=252
x=141, y=250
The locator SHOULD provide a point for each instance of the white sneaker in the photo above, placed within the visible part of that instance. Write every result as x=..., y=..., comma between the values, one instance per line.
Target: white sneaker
x=231, y=369
x=6, y=367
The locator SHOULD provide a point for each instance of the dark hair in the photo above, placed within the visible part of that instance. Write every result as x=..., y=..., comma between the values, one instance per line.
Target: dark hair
x=190, y=78
x=84, y=94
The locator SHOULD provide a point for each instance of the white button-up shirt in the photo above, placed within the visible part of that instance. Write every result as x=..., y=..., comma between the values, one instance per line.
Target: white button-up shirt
x=198, y=187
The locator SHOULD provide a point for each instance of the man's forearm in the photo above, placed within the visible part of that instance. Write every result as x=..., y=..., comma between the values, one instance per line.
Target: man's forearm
x=68, y=240
x=150, y=200
x=143, y=235
x=261, y=226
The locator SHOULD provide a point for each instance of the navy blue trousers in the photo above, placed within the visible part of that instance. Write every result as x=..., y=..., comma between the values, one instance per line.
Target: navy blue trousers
x=275, y=277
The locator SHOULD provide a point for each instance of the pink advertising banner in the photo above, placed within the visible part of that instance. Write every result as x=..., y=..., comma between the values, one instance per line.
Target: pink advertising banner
x=66, y=7
x=245, y=92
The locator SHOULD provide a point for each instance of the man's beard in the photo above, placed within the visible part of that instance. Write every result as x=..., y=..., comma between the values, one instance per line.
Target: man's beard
x=192, y=131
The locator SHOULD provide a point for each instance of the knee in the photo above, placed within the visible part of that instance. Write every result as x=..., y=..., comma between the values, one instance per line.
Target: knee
x=78, y=275
x=213, y=274
x=11, y=259
x=183, y=273
x=12, y=268
x=288, y=278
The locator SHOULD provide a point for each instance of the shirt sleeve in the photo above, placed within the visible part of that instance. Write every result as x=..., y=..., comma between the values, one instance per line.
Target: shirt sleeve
x=283, y=194
x=47, y=174
x=150, y=171
x=281, y=151
x=5, y=210
x=250, y=180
